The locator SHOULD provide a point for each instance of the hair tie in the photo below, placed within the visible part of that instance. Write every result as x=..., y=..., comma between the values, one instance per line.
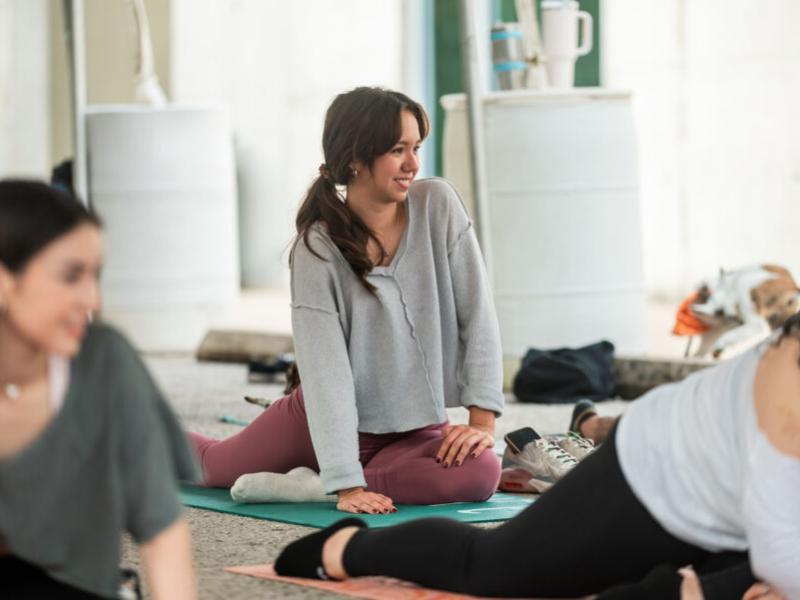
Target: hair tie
x=325, y=172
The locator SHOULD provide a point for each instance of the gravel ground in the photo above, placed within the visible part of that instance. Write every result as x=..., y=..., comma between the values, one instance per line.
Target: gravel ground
x=201, y=393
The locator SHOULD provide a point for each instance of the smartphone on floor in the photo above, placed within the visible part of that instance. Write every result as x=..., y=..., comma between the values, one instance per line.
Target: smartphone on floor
x=519, y=438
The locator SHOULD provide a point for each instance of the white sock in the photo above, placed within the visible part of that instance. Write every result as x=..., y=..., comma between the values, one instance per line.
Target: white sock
x=298, y=485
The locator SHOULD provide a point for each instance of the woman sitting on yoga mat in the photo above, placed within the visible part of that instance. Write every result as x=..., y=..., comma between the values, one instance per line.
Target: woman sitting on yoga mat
x=393, y=321
x=704, y=472
x=88, y=447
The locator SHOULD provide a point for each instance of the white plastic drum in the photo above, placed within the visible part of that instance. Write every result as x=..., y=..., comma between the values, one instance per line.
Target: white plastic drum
x=564, y=215
x=163, y=181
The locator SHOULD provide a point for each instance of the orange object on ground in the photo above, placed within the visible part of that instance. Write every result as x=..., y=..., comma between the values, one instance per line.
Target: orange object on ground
x=376, y=588
x=686, y=323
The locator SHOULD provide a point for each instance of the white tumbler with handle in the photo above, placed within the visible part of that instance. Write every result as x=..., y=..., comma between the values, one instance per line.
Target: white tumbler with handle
x=561, y=20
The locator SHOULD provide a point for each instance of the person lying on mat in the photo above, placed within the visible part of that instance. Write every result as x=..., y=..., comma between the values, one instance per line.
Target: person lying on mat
x=393, y=321
x=88, y=447
x=703, y=472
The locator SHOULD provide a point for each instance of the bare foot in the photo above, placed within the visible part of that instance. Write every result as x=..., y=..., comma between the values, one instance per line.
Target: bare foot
x=587, y=426
x=333, y=551
x=597, y=428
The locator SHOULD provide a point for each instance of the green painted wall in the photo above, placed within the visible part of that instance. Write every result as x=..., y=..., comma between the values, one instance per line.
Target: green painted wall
x=449, y=77
x=447, y=46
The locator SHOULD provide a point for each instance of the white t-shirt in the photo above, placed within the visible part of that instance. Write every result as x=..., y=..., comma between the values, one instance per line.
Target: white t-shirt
x=694, y=456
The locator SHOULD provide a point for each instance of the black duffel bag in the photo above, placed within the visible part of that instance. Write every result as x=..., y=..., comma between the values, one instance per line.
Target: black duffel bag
x=566, y=375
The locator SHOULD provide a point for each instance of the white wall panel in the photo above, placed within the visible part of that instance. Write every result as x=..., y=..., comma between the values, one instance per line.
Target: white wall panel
x=277, y=65
x=716, y=85
x=24, y=88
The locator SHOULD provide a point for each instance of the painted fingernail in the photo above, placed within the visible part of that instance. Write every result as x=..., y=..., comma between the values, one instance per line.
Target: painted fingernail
x=458, y=463
x=474, y=455
x=446, y=464
x=438, y=460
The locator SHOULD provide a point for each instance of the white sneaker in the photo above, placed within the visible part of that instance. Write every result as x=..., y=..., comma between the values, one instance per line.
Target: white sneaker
x=536, y=468
x=578, y=446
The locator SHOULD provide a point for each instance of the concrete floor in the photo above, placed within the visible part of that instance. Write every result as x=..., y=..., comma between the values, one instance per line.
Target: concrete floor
x=200, y=394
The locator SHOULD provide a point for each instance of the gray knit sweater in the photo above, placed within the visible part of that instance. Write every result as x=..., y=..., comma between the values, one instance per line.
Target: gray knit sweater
x=392, y=363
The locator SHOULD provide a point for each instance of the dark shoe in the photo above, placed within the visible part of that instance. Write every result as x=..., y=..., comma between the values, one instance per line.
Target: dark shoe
x=584, y=409
x=303, y=557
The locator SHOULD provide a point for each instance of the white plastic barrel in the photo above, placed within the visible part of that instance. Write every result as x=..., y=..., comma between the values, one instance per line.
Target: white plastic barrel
x=163, y=181
x=564, y=215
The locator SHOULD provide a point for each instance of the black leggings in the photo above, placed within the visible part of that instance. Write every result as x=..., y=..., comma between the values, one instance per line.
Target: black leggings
x=21, y=580
x=587, y=534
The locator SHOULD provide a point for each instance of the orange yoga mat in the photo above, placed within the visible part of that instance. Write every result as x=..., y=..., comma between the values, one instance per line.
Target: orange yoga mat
x=378, y=588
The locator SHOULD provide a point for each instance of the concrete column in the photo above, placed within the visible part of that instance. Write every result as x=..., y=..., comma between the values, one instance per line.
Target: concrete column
x=24, y=88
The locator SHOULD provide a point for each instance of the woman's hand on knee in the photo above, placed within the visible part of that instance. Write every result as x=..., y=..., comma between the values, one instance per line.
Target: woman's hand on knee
x=461, y=441
x=359, y=500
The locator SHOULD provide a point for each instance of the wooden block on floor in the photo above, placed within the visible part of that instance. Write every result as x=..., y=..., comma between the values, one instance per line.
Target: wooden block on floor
x=636, y=375
x=225, y=345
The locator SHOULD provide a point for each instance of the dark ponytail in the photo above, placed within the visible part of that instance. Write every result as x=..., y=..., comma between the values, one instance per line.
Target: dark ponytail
x=360, y=126
x=346, y=229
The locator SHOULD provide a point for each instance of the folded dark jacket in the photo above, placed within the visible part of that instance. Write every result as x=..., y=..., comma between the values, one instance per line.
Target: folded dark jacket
x=566, y=375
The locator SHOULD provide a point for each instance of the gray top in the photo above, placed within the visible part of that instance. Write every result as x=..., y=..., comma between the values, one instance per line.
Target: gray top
x=392, y=363
x=108, y=461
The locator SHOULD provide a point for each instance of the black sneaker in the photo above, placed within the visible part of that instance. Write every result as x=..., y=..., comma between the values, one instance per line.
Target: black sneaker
x=584, y=409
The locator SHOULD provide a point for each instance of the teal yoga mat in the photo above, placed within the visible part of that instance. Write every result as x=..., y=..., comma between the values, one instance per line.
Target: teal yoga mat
x=321, y=514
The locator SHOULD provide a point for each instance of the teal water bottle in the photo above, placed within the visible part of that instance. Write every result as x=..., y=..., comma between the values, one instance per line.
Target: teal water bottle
x=508, y=57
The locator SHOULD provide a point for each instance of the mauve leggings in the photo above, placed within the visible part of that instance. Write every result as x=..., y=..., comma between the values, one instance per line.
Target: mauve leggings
x=400, y=465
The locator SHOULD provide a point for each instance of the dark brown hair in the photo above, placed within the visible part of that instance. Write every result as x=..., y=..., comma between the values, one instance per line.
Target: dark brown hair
x=360, y=125
x=33, y=214
x=791, y=328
